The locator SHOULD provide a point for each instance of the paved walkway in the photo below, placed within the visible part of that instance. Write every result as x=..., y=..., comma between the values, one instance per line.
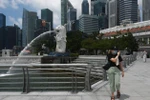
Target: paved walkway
x=135, y=86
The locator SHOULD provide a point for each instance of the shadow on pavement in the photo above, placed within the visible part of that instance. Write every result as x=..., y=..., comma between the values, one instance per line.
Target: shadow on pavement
x=124, y=97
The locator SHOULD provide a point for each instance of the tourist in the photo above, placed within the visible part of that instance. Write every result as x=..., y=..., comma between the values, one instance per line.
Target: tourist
x=114, y=71
x=144, y=56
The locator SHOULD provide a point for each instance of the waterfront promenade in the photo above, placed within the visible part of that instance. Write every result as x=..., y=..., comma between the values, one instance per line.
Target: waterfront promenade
x=134, y=86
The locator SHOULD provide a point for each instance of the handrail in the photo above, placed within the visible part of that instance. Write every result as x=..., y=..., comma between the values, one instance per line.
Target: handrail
x=42, y=65
x=73, y=66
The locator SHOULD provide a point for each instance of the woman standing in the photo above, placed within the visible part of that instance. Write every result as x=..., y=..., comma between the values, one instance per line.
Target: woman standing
x=115, y=60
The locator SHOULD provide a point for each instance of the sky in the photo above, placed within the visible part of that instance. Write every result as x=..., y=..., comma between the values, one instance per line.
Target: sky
x=13, y=9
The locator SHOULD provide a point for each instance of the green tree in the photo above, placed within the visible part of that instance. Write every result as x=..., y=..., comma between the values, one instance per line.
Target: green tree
x=74, y=39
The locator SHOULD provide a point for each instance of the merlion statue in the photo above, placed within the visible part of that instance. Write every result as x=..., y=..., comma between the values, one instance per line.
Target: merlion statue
x=60, y=39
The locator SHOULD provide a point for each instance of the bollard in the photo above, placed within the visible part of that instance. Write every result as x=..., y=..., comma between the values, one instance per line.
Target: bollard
x=131, y=60
x=124, y=63
x=127, y=61
x=87, y=79
x=104, y=75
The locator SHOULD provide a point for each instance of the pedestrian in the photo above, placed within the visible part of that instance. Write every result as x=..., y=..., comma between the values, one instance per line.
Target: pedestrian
x=114, y=71
x=144, y=56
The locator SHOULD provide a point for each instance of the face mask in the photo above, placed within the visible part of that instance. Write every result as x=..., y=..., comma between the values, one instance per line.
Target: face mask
x=114, y=52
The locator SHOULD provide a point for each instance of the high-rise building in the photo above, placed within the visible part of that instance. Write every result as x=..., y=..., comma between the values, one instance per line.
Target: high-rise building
x=47, y=15
x=13, y=37
x=2, y=30
x=2, y=35
x=122, y=12
x=28, y=25
x=71, y=18
x=18, y=36
x=99, y=7
x=113, y=10
x=65, y=5
x=72, y=14
x=139, y=15
x=146, y=9
x=102, y=21
x=2, y=20
x=100, y=11
x=107, y=7
x=128, y=11
x=85, y=7
x=88, y=23
x=40, y=27
x=92, y=6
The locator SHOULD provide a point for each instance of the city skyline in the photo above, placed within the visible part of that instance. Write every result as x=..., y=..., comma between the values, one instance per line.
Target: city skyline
x=13, y=9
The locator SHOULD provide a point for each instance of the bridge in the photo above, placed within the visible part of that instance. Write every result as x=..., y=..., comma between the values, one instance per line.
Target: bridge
x=140, y=30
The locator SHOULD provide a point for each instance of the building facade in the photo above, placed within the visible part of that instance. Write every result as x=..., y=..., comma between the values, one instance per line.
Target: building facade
x=146, y=9
x=88, y=24
x=65, y=5
x=128, y=11
x=2, y=20
x=28, y=26
x=99, y=7
x=92, y=6
x=18, y=36
x=13, y=37
x=113, y=16
x=72, y=17
x=85, y=7
x=102, y=21
x=100, y=11
x=40, y=27
x=47, y=15
x=2, y=30
x=139, y=15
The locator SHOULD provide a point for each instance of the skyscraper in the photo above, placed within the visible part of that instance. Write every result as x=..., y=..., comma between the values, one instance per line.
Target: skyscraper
x=139, y=15
x=113, y=13
x=13, y=37
x=85, y=7
x=100, y=10
x=47, y=15
x=128, y=11
x=146, y=9
x=88, y=23
x=65, y=5
x=28, y=25
x=2, y=30
x=92, y=6
x=99, y=7
x=72, y=14
x=122, y=12
x=2, y=20
x=71, y=17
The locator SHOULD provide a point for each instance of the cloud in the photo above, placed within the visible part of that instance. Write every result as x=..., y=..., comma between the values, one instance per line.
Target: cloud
x=41, y=4
x=15, y=21
x=14, y=4
x=3, y=3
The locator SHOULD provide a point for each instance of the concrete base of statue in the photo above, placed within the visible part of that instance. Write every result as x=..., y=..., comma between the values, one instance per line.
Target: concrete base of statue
x=56, y=57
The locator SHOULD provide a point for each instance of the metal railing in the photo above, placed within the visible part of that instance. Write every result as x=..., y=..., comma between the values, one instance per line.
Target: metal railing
x=40, y=77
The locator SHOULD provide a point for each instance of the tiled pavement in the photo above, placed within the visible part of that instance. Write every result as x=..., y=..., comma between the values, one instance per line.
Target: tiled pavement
x=134, y=86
